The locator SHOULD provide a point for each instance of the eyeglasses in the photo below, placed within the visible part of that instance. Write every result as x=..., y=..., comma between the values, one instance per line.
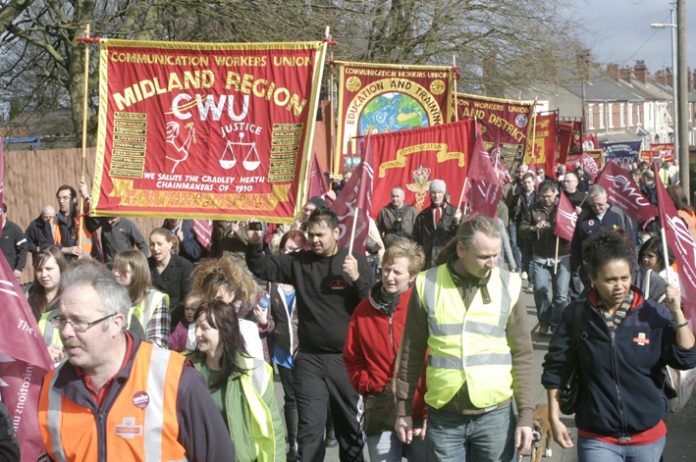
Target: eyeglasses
x=59, y=322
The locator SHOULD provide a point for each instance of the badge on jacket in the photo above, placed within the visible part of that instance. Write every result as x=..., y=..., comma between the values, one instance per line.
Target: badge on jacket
x=128, y=428
x=641, y=339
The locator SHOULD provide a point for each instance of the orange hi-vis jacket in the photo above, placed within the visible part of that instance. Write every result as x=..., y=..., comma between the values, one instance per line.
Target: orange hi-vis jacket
x=141, y=424
x=86, y=236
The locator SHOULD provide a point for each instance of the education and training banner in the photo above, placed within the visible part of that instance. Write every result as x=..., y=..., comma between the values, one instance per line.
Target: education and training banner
x=413, y=158
x=205, y=130
x=380, y=98
x=505, y=123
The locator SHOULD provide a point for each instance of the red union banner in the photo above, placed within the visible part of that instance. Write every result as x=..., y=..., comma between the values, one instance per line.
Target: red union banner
x=623, y=191
x=412, y=158
x=664, y=151
x=570, y=139
x=216, y=131
x=386, y=98
x=543, y=152
x=506, y=123
x=681, y=241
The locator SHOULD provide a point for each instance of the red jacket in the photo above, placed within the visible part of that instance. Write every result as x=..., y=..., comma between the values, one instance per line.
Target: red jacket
x=372, y=344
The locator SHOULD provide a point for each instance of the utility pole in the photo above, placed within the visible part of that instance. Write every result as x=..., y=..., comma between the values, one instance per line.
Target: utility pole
x=683, y=97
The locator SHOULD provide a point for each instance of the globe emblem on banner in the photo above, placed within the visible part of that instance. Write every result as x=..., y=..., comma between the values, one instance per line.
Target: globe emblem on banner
x=392, y=112
x=521, y=121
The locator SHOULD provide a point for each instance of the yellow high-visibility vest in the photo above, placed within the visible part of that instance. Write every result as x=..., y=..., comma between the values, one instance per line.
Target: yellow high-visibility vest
x=468, y=345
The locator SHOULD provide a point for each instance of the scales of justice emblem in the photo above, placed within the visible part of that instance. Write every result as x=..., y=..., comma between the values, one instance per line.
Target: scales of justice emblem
x=246, y=150
x=420, y=185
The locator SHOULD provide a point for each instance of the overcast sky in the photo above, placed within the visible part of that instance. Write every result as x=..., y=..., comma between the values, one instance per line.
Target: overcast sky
x=618, y=31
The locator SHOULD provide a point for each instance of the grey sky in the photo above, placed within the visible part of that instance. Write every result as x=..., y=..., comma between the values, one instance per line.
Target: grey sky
x=618, y=31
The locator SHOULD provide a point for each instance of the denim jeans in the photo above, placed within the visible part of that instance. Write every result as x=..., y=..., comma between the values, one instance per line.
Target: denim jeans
x=551, y=290
x=591, y=450
x=386, y=447
x=473, y=438
x=512, y=231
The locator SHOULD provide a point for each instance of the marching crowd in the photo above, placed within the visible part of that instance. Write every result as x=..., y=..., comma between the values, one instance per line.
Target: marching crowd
x=416, y=349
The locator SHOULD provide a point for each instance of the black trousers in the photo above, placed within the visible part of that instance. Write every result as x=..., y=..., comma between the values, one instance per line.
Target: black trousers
x=321, y=379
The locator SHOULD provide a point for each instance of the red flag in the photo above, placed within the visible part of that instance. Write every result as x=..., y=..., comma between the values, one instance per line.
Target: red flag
x=357, y=193
x=681, y=241
x=317, y=183
x=484, y=194
x=24, y=360
x=590, y=165
x=2, y=176
x=203, y=230
x=589, y=142
x=623, y=191
x=565, y=218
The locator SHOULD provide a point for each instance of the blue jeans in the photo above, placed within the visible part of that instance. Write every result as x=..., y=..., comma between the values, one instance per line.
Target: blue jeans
x=479, y=438
x=590, y=450
x=551, y=290
x=386, y=447
x=512, y=231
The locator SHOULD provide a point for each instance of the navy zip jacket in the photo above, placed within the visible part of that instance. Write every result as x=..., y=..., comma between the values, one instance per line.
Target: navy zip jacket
x=621, y=377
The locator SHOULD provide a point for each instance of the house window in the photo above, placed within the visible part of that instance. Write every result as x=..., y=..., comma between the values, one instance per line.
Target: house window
x=590, y=116
x=610, y=115
x=630, y=114
x=622, y=119
x=601, y=115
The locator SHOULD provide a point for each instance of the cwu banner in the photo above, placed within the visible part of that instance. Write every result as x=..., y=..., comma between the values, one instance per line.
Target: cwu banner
x=412, y=158
x=196, y=130
x=380, y=98
x=505, y=124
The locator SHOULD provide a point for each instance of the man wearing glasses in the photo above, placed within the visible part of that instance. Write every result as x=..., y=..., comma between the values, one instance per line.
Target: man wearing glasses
x=599, y=214
x=116, y=397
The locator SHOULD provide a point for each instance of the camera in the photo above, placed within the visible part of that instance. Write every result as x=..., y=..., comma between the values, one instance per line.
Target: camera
x=255, y=226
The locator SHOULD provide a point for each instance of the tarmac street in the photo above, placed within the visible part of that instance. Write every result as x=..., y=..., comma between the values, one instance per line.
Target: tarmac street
x=681, y=444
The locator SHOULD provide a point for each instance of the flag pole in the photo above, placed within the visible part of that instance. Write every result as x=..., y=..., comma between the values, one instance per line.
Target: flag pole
x=555, y=258
x=534, y=117
x=85, y=114
x=330, y=117
x=454, y=88
x=665, y=253
x=352, y=230
x=466, y=178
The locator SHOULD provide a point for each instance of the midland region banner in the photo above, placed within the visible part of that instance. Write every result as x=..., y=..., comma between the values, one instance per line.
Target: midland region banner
x=380, y=98
x=505, y=124
x=198, y=130
x=411, y=159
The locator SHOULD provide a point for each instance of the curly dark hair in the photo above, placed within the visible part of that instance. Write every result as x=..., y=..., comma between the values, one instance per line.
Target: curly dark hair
x=603, y=246
x=222, y=317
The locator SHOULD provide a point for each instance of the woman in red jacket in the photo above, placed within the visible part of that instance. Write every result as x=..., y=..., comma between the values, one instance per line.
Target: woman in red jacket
x=372, y=343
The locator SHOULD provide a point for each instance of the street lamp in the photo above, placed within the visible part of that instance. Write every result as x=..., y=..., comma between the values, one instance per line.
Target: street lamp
x=675, y=126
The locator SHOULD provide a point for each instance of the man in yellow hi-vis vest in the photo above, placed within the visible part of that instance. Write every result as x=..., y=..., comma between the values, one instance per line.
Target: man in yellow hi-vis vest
x=465, y=313
x=117, y=397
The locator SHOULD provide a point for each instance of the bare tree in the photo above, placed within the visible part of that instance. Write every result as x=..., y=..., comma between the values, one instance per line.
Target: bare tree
x=499, y=44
